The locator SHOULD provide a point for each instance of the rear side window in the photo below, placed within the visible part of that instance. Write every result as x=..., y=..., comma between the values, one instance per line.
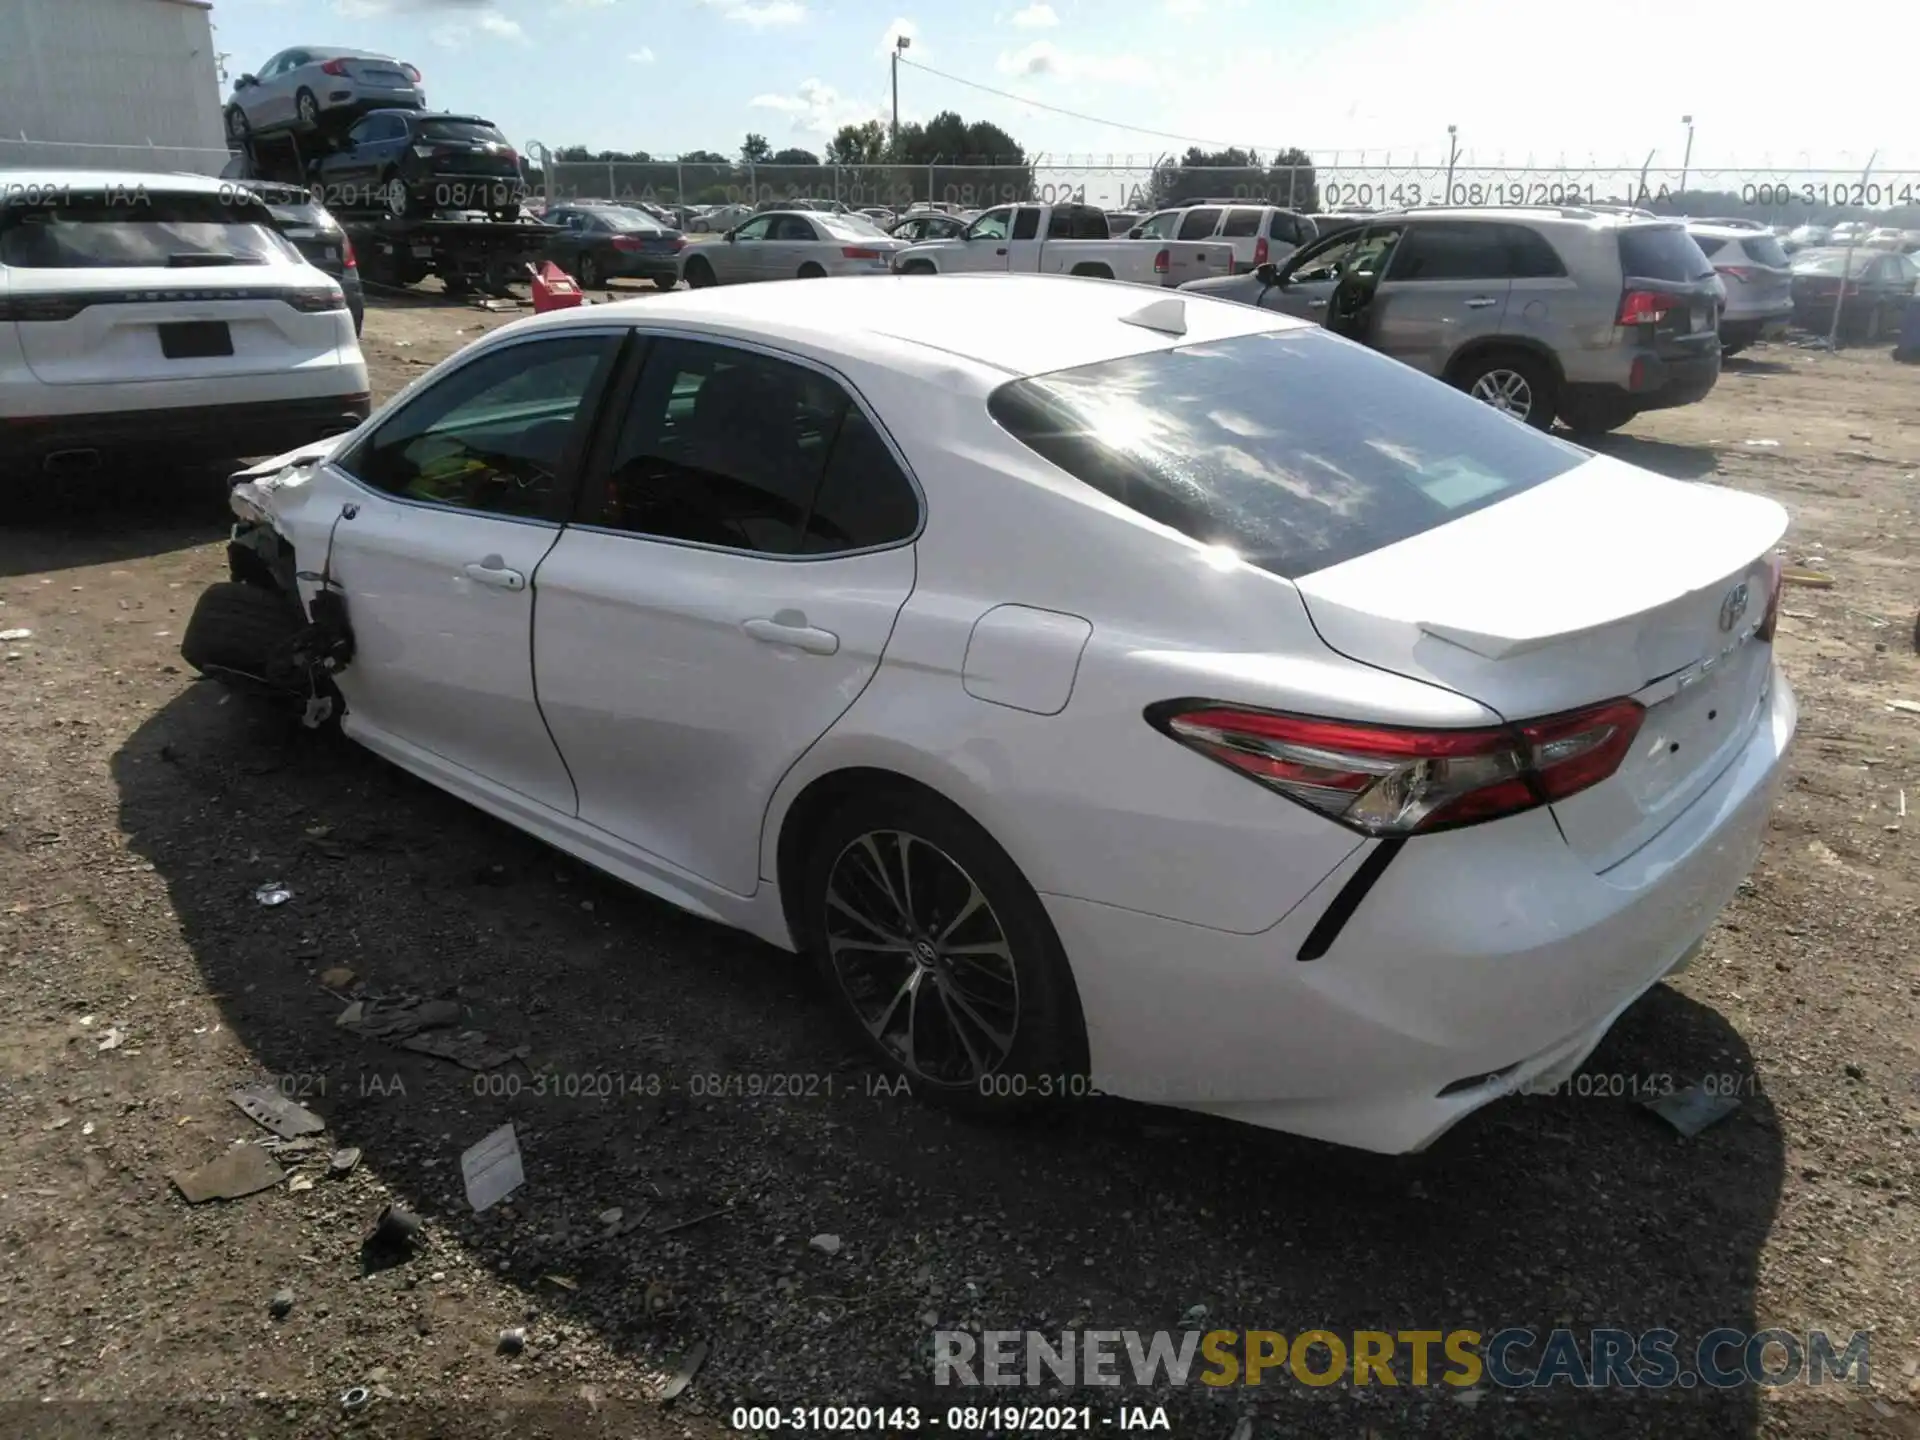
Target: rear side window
x=1090, y=224
x=1765, y=250
x=1294, y=229
x=1026, y=224
x=1198, y=225
x=1710, y=245
x=1292, y=448
x=1241, y=222
x=1661, y=252
x=160, y=232
x=864, y=498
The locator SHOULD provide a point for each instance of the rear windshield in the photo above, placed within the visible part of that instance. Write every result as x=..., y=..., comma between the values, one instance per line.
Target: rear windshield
x=1295, y=449
x=461, y=130
x=632, y=222
x=1661, y=252
x=848, y=227
x=141, y=229
x=1241, y=222
x=1765, y=250
x=1828, y=262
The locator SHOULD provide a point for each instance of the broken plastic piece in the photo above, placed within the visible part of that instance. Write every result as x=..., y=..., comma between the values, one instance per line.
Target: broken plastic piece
x=1693, y=1109
x=244, y=1170
x=276, y=1112
x=492, y=1168
x=273, y=893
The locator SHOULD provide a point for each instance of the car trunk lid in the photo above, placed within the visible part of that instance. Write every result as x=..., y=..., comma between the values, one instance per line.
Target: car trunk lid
x=1605, y=582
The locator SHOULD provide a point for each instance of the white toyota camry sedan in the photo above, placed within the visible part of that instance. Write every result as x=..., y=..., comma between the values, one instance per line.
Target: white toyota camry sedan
x=1152, y=696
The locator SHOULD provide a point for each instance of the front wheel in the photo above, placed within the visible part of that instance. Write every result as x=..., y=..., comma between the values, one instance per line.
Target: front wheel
x=1513, y=383
x=1596, y=416
x=590, y=277
x=238, y=127
x=307, y=108
x=700, y=274
x=397, y=200
x=665, y=282
x=940, y=956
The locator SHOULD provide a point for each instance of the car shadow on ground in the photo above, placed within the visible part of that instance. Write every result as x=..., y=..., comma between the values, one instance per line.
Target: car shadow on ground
x=694, y=1080
x=119, y=515
x=1663, y=457
x=1756, y=365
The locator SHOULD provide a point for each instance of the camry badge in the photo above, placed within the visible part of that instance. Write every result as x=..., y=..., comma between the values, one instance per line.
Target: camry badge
x=1733, y=607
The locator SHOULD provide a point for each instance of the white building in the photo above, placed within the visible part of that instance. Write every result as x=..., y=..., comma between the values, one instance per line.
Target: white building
x=130, y=84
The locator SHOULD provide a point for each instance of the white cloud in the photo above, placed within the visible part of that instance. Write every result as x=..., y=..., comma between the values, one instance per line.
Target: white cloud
x=1036, y=17
x=1043, y=57
x=642, y=56
x=817, y=108
x=501, y=26
x=759, y=14
x=454, y=34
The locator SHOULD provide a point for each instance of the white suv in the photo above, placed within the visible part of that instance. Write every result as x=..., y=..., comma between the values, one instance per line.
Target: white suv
x=1757, y=276
x=161, y=316
x=1255, y=234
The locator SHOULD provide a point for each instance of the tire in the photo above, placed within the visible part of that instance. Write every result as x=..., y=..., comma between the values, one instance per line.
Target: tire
x=239, y=631
x=1512, y=381
x=811, y=271
x=1875, y=322
x=306, y=109
x=394, y=196
x=1596, y=417
x=700, y=274
x=1021, y=1013
x=238, y=126
x=666, y=282
x=590, y=277
x=918, y=267
x=1727, y=352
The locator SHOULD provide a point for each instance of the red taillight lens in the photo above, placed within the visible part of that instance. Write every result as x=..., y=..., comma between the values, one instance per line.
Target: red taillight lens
x=859, y=252
x=1742, y=273
x=317, y=300
x=1260, y=252
x=411, y=73
x=677, y=244
x=1384, y=780
x=1644, y=307
x=348, y=259
x=334, y=67
x=627, y=244
x=1776, y=583
x=1162, y=263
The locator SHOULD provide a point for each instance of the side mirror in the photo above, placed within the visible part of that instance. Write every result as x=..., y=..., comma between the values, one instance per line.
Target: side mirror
x=1134, y=233
x=1268, y=272
x=245, y=81
x=730, y=237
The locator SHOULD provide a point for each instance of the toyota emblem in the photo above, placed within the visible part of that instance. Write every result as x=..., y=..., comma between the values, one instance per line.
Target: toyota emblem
x=1733, y=607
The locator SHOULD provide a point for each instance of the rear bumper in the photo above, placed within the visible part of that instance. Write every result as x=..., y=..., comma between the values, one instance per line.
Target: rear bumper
x=1489, y=952
x=187, y=432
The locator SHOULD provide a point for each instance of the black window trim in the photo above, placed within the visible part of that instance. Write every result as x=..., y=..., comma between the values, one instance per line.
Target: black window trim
x=566, y=493
x=617, y=400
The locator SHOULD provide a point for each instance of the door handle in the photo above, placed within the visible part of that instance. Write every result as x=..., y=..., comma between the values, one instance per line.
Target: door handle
x=1316, y=304
x=493, y=571
x=1481, y=302
x=790, y=628
x=1001, y=251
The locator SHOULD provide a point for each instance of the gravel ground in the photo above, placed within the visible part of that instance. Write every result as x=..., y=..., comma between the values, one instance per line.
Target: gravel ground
x=142, y=981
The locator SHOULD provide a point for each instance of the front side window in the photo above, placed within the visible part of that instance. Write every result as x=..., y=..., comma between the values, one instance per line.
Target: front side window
x=1291, y=448
x=755, y=229
x=991, y=226
x=1161, y=226
x=493, y=435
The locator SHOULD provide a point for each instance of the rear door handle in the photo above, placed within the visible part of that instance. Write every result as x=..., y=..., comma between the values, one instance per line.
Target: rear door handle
x=1000, y=251
x=493, y=571
x=790, y=628
x=1316, y=304
x=1482, y=302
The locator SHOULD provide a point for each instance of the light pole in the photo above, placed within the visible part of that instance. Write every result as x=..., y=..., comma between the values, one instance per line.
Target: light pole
x=1453, y=153
x=1687, y=158
x=900, y=42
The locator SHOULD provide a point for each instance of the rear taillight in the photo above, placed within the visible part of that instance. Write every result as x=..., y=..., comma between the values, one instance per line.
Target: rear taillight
x=348, y=260
x=677, y=243
x=317, y=299
x=626, y=244
x=27, y=309
x=1775, y=584
x=1644, y=307
x=1383, y=780
x=1260, y=252
x=1162, y=262
x=334, y=67
x=411, y=73
x=859, y=252
x=1742, y=273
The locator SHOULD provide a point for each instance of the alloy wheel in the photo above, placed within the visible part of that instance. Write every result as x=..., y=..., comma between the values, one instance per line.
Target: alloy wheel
x=1506, y=390
x=309, y=109
x=396, y=196
x=923, y=959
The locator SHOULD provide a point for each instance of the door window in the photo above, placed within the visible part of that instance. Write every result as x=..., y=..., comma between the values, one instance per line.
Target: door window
x=1199, y=224
x=1160, y=227
x=1327, y=263
x=493, y=435
x=792, y=227
x=755, y=229
x=1241, y=222
x=743, y=451
x=1463, y=250
x=991, y=226
x=1026, y=224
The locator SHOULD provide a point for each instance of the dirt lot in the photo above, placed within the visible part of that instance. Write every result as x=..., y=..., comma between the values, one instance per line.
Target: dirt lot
x=142, y=981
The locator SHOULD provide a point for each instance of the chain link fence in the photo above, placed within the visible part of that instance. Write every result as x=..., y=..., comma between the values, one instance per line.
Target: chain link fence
x=23, y=153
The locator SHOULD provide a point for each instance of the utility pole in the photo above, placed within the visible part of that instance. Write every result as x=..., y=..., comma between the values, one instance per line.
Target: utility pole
x=1686, y=159
x=1453, y=154
x=900, y=42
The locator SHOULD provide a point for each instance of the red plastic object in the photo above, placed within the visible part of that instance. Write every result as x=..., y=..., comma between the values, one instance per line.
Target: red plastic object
x=554, y=289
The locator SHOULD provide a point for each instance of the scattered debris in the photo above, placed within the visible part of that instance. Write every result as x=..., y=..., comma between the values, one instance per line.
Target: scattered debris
x=244, y=1170
x=1764, y=444
x=469, y=1048
x=1905, y=707
x=61, y=1123
x=1810, y=579
x=394, y=1229
x=299, y=1183
x=380, y=1020
x=273, y=893
x=1693, y=1109
x=1856, y=1072
x=689, y=1367
x=826, y=1244
x=356, y=1398
x=87, y=1129
x=512, y=1341
x=267, y=1106
x=281, y=1305
x=112, y=1040
x=610, y=1217
x=342, y=1162
x=492, y=1168
x=1242, y=1429
x=339, y=977
x=565, y=1282
x=16, y=634
x=696, y=1220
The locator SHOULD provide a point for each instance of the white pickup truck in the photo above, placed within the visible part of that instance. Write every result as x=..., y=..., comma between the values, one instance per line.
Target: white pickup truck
x=1062, y=240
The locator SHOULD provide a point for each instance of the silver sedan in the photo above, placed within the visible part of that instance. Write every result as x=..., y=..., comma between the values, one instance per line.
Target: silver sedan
x=789, y=245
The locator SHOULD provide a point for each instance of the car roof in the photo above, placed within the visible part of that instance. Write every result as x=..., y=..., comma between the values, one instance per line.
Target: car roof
x=919, y=325
x=14, y=179
x=337, y=52
x=1719, y=231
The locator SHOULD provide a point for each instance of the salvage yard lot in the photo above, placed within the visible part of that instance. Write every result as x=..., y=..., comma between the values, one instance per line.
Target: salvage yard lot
x=691, y=1079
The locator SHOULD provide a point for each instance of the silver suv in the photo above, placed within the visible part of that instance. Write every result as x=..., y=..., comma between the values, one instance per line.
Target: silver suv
x=1545, y=312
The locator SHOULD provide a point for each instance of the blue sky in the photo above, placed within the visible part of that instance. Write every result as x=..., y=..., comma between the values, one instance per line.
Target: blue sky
x=1594, y=84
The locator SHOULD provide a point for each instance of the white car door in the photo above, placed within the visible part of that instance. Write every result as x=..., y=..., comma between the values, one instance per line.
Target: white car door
x=791, y=242
x=987, y=241
x=725, y=595
x=743, y=257
x=459, y=495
